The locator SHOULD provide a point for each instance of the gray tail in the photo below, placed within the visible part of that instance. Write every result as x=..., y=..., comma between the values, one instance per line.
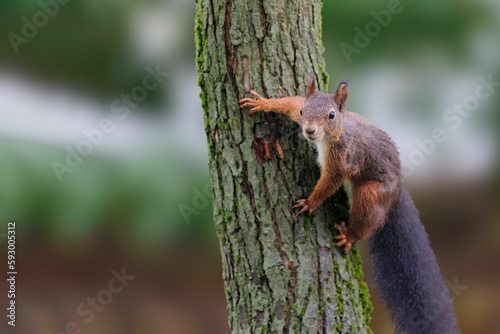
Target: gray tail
x=407, y=274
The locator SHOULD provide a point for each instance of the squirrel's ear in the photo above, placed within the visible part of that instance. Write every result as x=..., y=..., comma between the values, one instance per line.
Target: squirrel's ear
x=311, y=85
x=341, y=95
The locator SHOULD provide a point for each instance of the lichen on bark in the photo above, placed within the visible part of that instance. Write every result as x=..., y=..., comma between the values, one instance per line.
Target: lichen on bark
x=282, y=274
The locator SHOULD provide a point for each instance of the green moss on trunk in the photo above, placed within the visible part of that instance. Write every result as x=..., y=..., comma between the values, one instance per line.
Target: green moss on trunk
x=281, y=274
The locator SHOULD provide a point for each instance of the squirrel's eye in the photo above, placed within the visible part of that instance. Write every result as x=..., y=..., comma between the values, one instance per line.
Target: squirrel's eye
x=332, y=115
x=301, y=111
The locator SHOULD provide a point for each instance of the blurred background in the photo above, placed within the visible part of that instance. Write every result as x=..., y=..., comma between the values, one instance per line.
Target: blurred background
x=137, y=200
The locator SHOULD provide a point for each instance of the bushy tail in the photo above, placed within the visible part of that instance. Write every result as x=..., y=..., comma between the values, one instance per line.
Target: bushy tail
x=407, y=274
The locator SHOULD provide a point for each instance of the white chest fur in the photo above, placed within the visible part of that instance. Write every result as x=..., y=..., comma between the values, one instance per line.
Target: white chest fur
x=320, y=147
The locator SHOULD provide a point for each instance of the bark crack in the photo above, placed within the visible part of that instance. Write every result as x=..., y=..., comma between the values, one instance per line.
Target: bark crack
x=232, y=61
x=260, y=43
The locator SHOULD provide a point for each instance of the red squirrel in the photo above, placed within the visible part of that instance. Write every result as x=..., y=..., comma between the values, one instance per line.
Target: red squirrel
x=382, y=211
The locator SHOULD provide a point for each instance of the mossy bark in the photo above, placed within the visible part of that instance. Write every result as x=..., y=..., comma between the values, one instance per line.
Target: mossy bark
x=282, y=274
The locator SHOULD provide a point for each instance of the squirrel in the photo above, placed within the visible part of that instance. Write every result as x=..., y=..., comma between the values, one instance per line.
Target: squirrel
x=405, y=268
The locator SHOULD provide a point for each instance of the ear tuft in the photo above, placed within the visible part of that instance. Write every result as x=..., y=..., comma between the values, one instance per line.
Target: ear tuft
x=311, y=85
x=343, y=82
x=341, y=95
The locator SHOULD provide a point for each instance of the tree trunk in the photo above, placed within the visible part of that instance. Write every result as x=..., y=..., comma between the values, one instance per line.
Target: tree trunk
x=282, y=274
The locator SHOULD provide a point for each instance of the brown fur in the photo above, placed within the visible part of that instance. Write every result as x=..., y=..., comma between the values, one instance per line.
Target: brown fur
x=353, y=149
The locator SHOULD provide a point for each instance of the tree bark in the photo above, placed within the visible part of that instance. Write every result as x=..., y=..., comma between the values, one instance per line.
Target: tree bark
x=282, y=274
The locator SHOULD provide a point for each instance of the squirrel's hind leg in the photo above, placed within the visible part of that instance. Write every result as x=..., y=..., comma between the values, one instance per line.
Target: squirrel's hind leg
x=368, y=213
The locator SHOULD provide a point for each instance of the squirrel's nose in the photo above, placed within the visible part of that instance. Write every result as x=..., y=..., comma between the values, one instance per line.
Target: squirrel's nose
x=310, y=131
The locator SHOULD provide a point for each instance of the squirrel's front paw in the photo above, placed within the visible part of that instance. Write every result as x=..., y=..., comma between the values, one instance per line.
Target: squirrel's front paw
x=255, y=104
x=304, y=204
x=344, y=239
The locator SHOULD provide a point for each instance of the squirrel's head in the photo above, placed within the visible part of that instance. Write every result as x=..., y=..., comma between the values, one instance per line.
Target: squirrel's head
x=322, y=115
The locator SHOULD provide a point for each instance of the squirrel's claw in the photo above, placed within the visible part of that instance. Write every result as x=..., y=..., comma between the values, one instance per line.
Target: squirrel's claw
x=255, y=104
x=250, y=103
x=347, y=247
x=304, y=210
x=246, y=102
x=342, y=229
x=254, y=93
x=342, y=242
x=254, y=110
x=342, y=237
x=301, y=203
